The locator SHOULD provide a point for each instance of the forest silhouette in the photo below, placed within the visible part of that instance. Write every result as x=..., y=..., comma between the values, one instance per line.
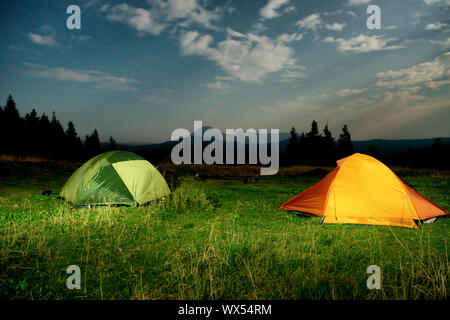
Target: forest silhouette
x=41, y=136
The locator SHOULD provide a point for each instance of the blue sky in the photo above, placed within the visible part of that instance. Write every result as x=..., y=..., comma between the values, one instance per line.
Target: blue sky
x=137, y=70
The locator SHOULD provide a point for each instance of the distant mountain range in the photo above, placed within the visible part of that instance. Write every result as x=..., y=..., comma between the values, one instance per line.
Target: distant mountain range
x=387, y=147
x=395, y=147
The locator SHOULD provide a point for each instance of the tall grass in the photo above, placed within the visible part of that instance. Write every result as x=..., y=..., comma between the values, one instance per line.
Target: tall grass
x=212, y=240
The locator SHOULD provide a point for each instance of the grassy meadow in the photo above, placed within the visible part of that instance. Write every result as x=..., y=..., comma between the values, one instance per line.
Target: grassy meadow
x=218, y=237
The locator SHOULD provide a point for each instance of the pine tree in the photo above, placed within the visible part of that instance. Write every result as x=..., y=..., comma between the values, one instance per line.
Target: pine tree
x=328, y=147
x=58, y=138
x=44, y=136
x=345, y=144
x=31, y=128
x=292, y=148
x=74, y=148
x=12, y=133
x=312, y=145
x=112, y=144
x=92, y=144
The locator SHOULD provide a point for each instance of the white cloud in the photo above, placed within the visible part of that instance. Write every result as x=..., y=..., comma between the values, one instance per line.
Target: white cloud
x=435, y=26
x=291, y=75
x=285, y=37
x=162, y=14
x=349, y=92
x=311, y=22
x=81, y=38
x=435, y=85
x=258, y=27
x=289, y=9
x=365, y=116
x=246, y=57
x=431, y=73
x=301, y=104
x=269, y=11
x=444, y=43
x=232, y=33
x=138, y=18
x=101, y=80
x=48, y=40
x=335, y=26
x=357, y=2
x=187, y=12
x=363, y=43
x=332, y=13
x=91, y=3
x=430, y=2
x=218, y=85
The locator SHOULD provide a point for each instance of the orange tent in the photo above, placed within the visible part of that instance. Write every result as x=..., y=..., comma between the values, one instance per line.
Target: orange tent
x=363, y=190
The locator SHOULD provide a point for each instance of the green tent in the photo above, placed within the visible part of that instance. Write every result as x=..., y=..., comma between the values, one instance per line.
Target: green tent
x=115, y=177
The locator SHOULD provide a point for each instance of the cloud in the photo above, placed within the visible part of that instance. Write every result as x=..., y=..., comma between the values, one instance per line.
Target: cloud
x=291, y=75
x=48, y=40
x=101, y=80
x=430, y=2
x=289, y=9
x=81, y=38
x=187, y=12
x=285, y=37
x=435, y=26
x=218, y=85
x=357, y=2
x=436, y=85
x=444, y=43
x=311, y=22
x=332, y=13
x=349, y=92
x=301, y=104
x=140, y=19
x=91, y=3
x=363, y=43
x=269, y=11
x=258, y=27
x=162, y=14
x=246, y=57
x=366, y=116
x=335, y=26
x=430, y=73
x=393, y=112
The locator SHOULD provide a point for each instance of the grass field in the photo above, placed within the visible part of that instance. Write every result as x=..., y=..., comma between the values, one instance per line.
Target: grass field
x=213, y=239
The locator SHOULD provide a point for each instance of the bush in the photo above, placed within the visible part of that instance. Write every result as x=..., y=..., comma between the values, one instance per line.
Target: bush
x=189, y=198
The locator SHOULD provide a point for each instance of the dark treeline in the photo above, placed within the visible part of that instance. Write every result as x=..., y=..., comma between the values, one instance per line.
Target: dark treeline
x=41, y=136
x=437, y=156
x=317, y=148
x=322, y=149
x=44, y=136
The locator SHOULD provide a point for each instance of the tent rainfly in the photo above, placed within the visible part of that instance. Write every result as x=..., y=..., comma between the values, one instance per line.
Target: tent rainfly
x=362, y=190
x=115, y=177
